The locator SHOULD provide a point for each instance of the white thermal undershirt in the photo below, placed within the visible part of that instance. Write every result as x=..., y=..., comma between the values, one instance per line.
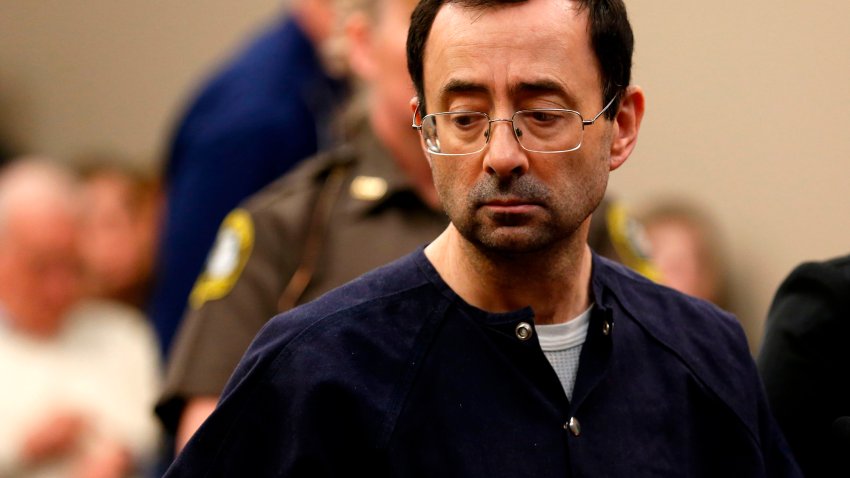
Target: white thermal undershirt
x=561, y=343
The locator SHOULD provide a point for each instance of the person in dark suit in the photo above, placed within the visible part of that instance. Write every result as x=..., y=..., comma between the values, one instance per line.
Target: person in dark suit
x=805, y=363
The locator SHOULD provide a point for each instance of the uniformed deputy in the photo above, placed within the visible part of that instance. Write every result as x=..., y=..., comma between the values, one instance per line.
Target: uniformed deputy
x=263, y=112
x=335, y=217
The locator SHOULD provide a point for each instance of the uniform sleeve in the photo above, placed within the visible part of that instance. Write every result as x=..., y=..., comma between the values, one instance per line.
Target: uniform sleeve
x=253, y=259
x=803, y=362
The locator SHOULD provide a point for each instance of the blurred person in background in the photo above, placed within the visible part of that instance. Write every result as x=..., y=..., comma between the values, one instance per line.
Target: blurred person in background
x=78, y=377
x=122, y=206
x=805, y=365
x=269, y=107
x=686, y=247
x=336, y=216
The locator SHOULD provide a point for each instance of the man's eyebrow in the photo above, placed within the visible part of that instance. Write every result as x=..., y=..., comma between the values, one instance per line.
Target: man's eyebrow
x=456, y=86
x=522, y=88
x=539, y=86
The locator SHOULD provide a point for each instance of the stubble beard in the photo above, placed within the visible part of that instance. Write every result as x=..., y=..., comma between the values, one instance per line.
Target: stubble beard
x=554, y=223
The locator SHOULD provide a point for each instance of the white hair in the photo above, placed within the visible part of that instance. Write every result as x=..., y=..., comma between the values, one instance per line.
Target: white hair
x=36, y=181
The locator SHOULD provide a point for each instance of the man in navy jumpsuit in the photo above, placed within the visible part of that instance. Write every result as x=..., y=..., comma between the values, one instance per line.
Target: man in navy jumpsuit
x=505, y=348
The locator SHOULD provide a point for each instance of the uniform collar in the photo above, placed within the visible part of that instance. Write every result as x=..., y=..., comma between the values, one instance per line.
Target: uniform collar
x=375, y=180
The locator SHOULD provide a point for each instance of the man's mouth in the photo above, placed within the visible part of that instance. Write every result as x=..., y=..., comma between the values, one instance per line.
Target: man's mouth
x=510, y=206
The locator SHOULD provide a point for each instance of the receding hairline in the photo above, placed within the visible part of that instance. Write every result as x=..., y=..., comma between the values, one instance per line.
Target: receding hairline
x=610, y=32
x=541, y=84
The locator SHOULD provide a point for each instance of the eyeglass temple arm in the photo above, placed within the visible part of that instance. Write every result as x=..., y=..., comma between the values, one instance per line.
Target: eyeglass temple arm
x=583, y=122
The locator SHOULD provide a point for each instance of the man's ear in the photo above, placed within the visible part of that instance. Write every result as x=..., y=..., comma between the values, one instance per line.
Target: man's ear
x=414, y=105
x=358, y=37
x=416, y=114
x=627, y=126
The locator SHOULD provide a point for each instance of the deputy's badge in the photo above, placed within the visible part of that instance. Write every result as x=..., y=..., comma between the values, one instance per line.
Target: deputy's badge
x=226, y=260
x=630, y=242
x=368, y=188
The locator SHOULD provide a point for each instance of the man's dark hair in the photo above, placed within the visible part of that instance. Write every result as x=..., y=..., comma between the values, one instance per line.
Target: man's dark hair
x=610, y=35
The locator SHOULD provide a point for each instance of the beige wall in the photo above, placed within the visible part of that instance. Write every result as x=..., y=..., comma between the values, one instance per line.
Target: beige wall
x=110, y=73
x=748, y=106
x=748, y=113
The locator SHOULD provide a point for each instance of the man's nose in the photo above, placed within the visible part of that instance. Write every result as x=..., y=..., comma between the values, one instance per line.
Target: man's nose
x=504, y=157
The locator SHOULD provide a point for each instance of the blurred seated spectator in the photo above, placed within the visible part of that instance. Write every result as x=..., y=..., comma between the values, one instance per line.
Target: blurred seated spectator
x=78, y=377
x=805, y=365
x=120, y=226
x=686, y=247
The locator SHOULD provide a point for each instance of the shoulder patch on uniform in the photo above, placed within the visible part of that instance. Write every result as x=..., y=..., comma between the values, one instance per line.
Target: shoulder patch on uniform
x=630, y=242
x=225, y=262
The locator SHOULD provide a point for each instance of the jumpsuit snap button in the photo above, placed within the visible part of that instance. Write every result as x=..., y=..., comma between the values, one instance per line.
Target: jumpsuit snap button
x=606, y=328
x=573, y=426
x=524, y=331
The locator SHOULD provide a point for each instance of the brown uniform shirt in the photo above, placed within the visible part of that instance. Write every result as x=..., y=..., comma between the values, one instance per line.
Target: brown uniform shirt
x=351, y=210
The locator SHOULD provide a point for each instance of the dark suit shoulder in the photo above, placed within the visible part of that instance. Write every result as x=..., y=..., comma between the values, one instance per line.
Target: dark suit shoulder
x=812, y=305
x=830, y=277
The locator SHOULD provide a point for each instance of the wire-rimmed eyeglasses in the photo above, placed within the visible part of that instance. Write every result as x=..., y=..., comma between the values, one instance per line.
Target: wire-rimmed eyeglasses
x=539, y=130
